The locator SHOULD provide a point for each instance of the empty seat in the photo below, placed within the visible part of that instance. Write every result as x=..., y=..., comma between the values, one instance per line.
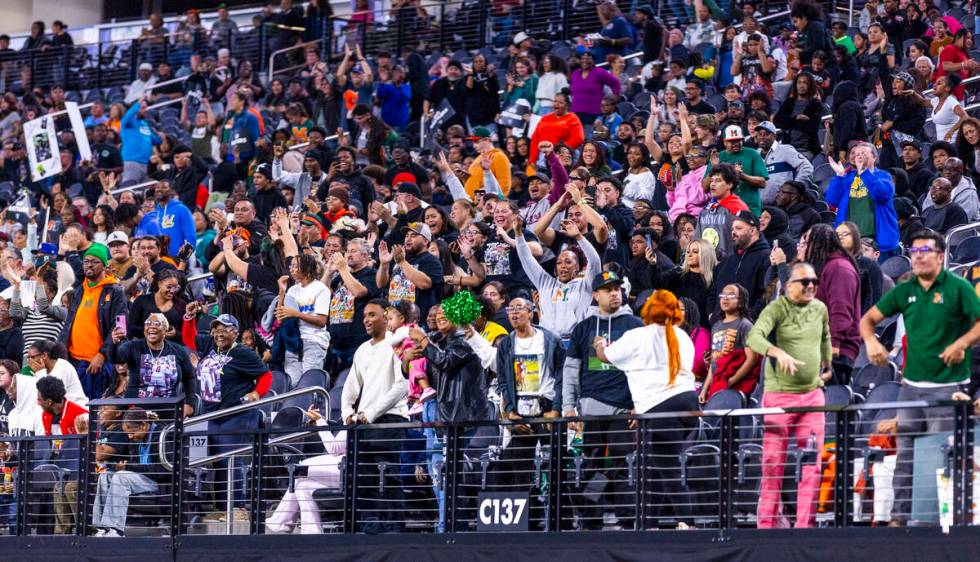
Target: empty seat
x=871, y=376
x=896, y=266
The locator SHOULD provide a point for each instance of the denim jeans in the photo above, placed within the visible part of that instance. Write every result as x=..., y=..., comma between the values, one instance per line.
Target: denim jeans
x=248, y=420
x=434, y=453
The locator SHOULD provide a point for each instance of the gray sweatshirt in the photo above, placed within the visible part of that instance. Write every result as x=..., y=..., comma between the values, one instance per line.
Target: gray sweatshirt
x=563, y=305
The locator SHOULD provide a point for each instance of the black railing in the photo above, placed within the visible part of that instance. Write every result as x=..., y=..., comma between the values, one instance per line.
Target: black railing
x=720, y=462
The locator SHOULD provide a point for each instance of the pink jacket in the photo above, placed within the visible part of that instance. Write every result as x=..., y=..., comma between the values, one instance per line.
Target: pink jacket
x=688, y=196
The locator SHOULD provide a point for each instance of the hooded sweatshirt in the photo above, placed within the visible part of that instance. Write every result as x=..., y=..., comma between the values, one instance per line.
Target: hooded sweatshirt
x=25, y=417
x=562, y=304
x=840, y=291
x=747, y=268
x=848, y=124
x=592, y=386
x=777, y=232
x=499, y=167
x=137, y=137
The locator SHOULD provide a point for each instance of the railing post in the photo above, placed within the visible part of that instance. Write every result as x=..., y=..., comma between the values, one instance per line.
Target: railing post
x=86, y=464
x=326, y=35
x=844, y=473
x=555, y=476
x=257, y=514
x=566, y=14
x=166, y=48
x=262, y=48
x=641, y=475
x=98, y=73
x=177, y=484
x=400, y=34
x=66, y=60
x=726, y=496
x=442, y=27
x=450, y=468
x=350, y=482
x=134, y=59
x=24, y=453
x=962, y=465
x=364, y=37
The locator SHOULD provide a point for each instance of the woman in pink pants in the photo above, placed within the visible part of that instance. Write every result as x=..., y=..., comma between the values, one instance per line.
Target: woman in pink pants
x=324, y=472
x=795, y=365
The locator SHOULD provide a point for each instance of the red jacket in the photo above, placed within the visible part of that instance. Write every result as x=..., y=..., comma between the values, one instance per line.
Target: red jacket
x=68, y=415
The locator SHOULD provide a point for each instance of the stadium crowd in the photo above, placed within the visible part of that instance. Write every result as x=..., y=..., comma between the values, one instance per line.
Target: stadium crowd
x=564, y=234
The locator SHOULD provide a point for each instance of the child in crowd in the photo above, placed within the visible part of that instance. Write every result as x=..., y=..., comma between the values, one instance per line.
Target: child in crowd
x=401, y=318
x=733, y=364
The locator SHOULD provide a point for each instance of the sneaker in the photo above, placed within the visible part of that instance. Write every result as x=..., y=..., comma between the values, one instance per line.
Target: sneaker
x=427, y=394
x=609, y=518
x=99, y=533
x=113, y=533
x=416, y=409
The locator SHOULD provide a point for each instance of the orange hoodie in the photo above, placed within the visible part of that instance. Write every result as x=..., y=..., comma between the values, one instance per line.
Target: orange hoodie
x=499, y=166
x=84, y=341
x=566, y=129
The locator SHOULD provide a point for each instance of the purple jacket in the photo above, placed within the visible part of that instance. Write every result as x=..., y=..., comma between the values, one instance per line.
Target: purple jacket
x=840, y=290
x=587, y=92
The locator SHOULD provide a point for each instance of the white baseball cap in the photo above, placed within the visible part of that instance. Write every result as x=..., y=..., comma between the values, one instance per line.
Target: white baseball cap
x=117, y=236
x=733, y=132
x=146, y=66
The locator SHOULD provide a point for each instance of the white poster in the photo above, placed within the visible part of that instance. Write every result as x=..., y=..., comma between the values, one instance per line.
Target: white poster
x=42, y=148
x=78, y=127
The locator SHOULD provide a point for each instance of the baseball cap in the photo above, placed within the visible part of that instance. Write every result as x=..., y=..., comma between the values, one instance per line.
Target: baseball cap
x=419, y=228
x=733, y=132
x=747, y=217
x=645, y=10
x=479, y=133
x=117, y=237
x=606, y=278
x=226, y=320
x=146, y=66
x=912, y=143
x=541, y=175
x=47, y=248
x=767, y=126
x=265, y=169
x=409, y=188
x=521, y=37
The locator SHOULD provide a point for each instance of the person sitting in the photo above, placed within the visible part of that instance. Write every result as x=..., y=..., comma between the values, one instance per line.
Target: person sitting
x=323, y=471
x=142, y=474
x=944, y=213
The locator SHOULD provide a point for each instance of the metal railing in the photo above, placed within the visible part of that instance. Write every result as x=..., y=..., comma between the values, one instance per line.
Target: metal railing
x=711, y=469
x=273, y=71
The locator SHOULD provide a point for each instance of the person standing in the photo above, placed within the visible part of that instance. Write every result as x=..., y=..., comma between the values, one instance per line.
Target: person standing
x=170, y=218
x=942, y=321
x=591, y=387
x=138, y=140
x=376, y=386
x=801, y=353
x=91, y=316
x=658, y=359
x=350, y=290
x=308, y=301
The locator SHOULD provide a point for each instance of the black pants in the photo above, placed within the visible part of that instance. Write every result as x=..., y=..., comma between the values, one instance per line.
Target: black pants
x=664, y=442
x=841, y=367
x=376, y=446
x=605, y=447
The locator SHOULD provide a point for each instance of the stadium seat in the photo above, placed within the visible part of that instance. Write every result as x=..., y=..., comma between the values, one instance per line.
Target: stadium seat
x=870, y=376
x=896, y=266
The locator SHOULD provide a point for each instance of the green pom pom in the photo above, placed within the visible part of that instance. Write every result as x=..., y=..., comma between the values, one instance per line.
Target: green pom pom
x=462, y=308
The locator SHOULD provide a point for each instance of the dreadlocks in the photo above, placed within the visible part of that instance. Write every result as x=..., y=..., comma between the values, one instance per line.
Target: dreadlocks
x=822, y=242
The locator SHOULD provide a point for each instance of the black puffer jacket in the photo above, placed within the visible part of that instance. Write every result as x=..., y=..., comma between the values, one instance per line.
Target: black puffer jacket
x=457, y=374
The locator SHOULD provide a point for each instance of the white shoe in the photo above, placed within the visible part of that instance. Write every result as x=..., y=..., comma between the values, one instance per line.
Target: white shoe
x=99, y=533
x=113, y=533
x=609, y=518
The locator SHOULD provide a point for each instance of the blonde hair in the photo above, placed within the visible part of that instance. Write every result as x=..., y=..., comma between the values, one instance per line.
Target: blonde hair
x=707, y=260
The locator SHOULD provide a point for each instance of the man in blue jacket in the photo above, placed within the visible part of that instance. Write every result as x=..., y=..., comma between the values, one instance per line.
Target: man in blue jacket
x=865, y=195
x=394, y=96
x=138, y=140
x=241, y=128
x=169, y=217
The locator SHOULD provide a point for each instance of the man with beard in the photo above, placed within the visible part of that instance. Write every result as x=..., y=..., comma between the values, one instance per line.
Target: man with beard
x=783, y=162
x=409, y=272
x=919, y=174
x=169, y=218
x=350, y=290
x=943, y=214
x=451, y=87
x=91, y=316
x=625, y=134
x=156, y=365
x=746, y=266
x=964, y=193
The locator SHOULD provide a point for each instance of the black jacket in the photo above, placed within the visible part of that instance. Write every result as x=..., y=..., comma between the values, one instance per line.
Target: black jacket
x=748, y=269
x=554, y=364
x=184, y=182
x=112, y=303
x=456, y=372
x=786, y=120
x=266, y=200
x=849, y=124
x=801, y=217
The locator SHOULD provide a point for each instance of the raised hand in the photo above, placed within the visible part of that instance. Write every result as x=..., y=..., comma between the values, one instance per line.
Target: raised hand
x=398, y=253
x=570, y=229
x=383, y=254
x=836, y=166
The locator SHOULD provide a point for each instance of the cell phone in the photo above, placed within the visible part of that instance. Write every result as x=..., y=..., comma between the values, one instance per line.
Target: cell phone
x=649, y=241
x=121, y=323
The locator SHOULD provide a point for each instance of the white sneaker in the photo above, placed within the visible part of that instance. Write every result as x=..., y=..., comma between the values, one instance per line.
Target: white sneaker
x=609, y=518
x=99, y=533
x=113, y=533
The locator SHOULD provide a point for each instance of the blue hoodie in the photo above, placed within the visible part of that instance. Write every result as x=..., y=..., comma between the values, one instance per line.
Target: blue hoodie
x=172, y=219
x=881, y=187
x=138, y=138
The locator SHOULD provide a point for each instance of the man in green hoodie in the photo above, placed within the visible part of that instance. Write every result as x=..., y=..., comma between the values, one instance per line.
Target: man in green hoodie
x=792, y=379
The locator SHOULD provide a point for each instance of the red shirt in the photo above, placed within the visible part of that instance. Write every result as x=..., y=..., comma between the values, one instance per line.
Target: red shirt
x=953, y=54
x=68, y=415
x=733, y=203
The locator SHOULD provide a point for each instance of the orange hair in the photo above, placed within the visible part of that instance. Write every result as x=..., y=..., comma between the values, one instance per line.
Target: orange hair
x=662, y=308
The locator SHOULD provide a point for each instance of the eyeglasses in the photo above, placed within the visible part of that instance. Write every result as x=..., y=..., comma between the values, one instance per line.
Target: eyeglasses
x=922, y=249
x=806, y=281
x=695, y=156
x=725, y=297
x=153, y=324
x=519, y=308
x=843, y=234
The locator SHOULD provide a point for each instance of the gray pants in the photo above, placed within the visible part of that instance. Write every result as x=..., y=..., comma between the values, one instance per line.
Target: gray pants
x=314, y=356
x=133, y=173
x=112, y=497
x=912, y=423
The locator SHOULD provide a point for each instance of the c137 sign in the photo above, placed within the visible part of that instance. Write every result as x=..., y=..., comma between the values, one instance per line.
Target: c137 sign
x=502, y=511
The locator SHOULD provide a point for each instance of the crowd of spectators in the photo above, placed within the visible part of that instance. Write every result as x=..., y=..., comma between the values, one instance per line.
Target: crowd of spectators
x=641, y=237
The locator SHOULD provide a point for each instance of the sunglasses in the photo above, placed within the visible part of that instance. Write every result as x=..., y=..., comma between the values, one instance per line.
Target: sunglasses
x=806, y=281
x=725, y=297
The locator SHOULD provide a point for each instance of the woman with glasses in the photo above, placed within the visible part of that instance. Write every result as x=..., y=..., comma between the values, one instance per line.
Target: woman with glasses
x=800, y=357
x=157, y=368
